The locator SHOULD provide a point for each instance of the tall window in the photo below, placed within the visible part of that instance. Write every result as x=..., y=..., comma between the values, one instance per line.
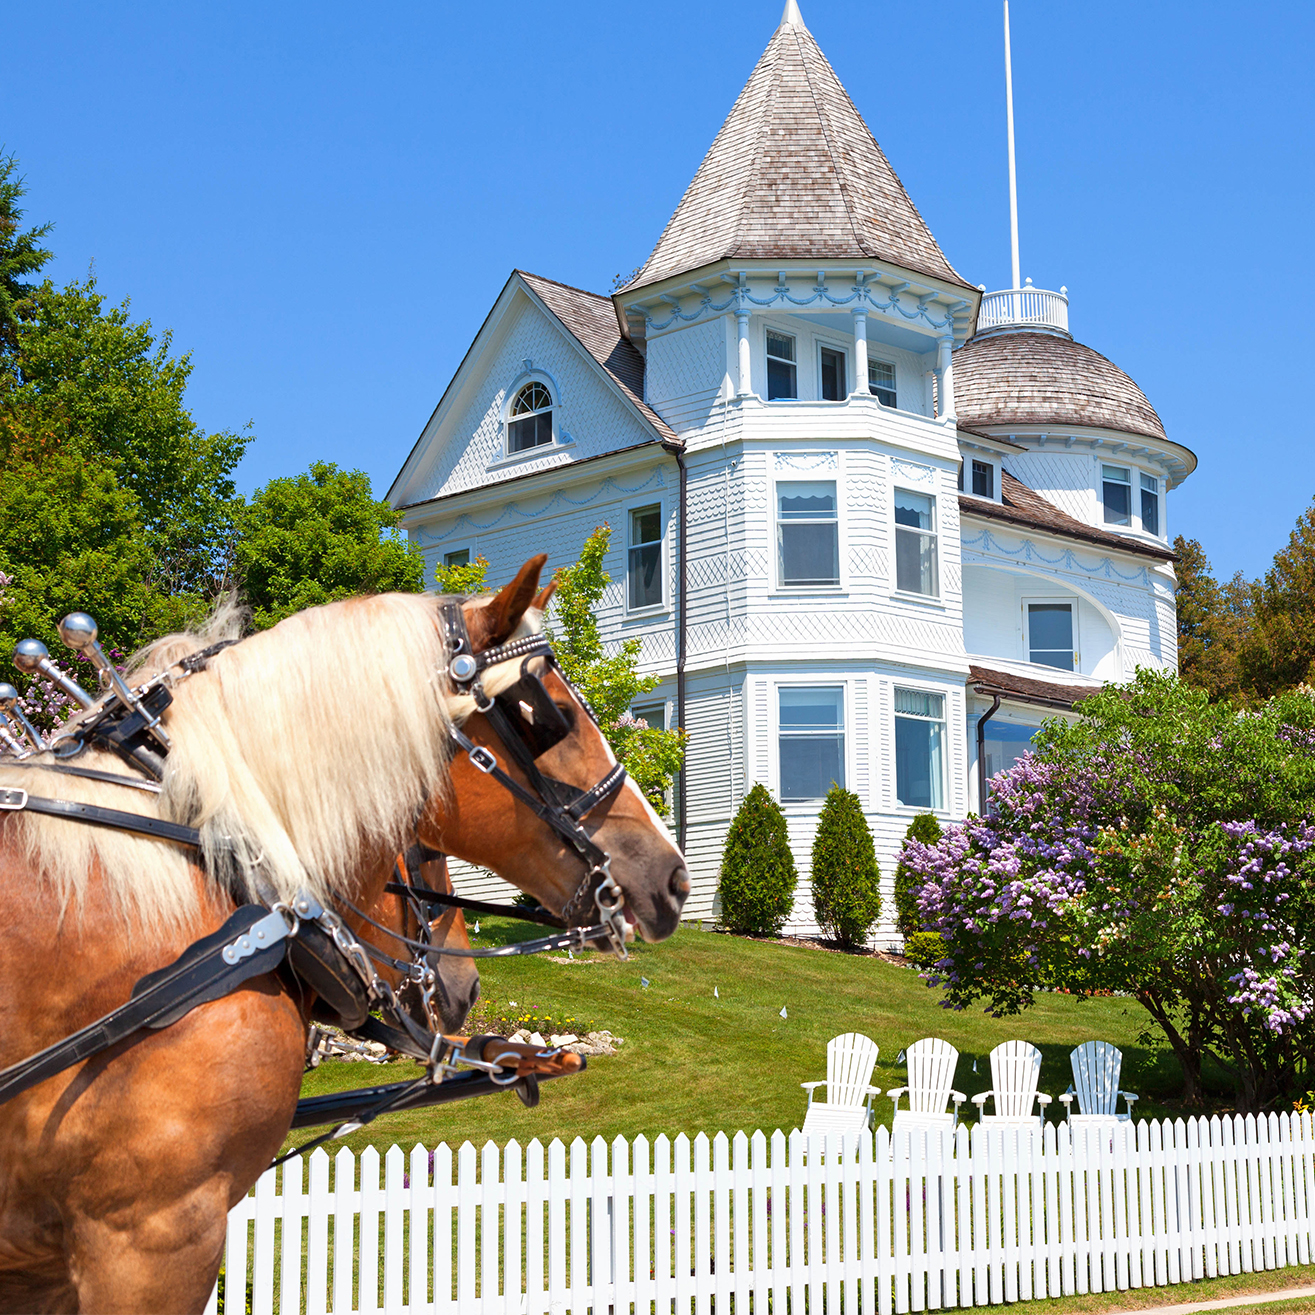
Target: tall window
x=782, y=372
x=644, y=567
x=812, y=744
x=1005, y=743
x=1116, y=493
x=461, y=557
x=915, y=543
x=530, y=422
x=881, y=381
x=808, y=532
x=920, y=748
x=833, y=375
x=1050, y=635
x=1150, y=504
x=983, y=479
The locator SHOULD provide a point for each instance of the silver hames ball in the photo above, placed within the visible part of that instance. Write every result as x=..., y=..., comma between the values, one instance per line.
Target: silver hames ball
x=78, y=631
x=8, y=697
x=29, y=654
x=463, y=667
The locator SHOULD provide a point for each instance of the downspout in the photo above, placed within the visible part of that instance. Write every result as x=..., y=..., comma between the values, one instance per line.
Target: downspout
x=981, y=753
x=677, y=450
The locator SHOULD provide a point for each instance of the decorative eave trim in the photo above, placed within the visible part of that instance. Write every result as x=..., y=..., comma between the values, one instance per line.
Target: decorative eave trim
x=731, y=285
x=1178, y=460
x=970, y=506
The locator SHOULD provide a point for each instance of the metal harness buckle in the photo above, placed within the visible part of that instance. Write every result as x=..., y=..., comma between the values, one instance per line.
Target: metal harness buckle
x=13, y=800
x=483, y=759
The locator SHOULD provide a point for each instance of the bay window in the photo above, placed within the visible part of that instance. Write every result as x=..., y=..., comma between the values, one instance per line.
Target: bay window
x=881, y=381
x=1050, y=635
x=807, y=533
x=782, y=371
x=915, y=543
x=920, y=748
x=1150, y=504
x=1116, y=494
x=833, y=375
x=811, y=741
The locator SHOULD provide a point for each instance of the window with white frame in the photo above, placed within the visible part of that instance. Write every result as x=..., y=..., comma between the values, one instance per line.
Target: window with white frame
x=1004, y=744
x=782, y=370
x=983, y=479
x=529, y=422
x=881, y=381
x=458, y=557
x=1116, y=494
x=807, y=533
x=1050, y=635
x=1150, y=504
x=920, y=748
x=654, y=715
x=915, y=543
x=833, y=375
x=644, y=564
x=812, y=741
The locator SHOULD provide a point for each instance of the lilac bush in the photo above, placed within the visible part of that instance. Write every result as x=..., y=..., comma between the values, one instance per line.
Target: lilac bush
x=1161, y=847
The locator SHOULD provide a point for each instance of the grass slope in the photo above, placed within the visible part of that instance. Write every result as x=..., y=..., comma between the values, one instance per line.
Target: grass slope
x=692, y=1062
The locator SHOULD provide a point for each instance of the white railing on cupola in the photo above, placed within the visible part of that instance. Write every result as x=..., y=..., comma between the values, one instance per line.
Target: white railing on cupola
x=1025, y=307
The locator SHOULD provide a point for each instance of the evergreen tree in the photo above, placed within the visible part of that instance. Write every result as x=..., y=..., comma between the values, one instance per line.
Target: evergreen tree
x=758, y=876
x=1212, y=622
x=21, y=254
x=610, y=682
x=1278, y=651
x=926, y=828
x=846, y=880
x=311, y=538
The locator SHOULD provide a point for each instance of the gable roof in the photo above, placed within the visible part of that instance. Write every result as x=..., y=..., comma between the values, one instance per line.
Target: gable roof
x=1024, y=506
x=795, y=173
x=591, y=321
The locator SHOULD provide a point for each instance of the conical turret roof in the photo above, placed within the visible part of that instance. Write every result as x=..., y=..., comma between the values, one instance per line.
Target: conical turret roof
x=795, y=173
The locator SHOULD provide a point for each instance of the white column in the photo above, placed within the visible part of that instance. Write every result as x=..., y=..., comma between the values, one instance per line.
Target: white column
x=860, y=352
x=746, y=386
x=946, y=364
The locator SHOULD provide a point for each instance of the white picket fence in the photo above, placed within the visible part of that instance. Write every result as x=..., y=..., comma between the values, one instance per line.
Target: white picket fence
x=918, y=1222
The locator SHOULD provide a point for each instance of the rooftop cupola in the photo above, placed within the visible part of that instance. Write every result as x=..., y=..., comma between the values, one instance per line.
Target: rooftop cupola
x=1036, y=310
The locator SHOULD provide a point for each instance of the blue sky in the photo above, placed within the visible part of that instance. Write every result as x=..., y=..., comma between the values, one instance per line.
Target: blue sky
x=323, y=201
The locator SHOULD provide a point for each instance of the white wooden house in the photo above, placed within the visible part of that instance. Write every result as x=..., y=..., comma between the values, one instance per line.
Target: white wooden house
x=871, y=523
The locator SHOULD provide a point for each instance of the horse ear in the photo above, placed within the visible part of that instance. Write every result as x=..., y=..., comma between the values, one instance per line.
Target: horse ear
x=497, y=619
x=544, y=596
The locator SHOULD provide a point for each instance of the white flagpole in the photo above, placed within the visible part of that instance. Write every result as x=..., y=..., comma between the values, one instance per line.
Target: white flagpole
x=1013, y=178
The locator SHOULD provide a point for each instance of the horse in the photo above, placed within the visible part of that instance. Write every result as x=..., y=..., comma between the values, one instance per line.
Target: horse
x=116, y=1175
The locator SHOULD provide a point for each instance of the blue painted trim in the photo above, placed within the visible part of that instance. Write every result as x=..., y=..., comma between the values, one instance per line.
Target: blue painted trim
x=1028, y=551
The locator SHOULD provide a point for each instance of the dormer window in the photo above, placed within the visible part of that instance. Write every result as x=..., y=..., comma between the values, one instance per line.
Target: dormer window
x=1150, y=504
x=984, y=479
x=782, y=371
x=529, y=422
x=1116, y=494
x=881, y=381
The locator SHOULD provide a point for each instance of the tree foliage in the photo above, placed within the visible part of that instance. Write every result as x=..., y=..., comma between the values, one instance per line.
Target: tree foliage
x=1160, y=845
x=1277, y=651
x=1212, y=623
x=758, y=876
x=21, y=253
x=846, y=880
x=610, y=682
x=312, y=538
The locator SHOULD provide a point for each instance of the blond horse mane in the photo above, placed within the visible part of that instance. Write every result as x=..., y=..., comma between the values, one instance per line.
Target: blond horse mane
x=299, y=753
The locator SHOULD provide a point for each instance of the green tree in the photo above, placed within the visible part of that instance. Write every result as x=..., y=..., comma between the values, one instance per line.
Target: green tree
x=610, y=682
x=926, y=829
x=758, y=876
x=1278, y=650
x=21, y=253
x=846, y=880
x=462, y=578
x=1212, y=623
x=312, y=538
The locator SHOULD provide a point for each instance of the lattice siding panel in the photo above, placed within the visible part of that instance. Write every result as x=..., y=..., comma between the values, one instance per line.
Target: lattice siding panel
x=684, y=373
x=1066, y=479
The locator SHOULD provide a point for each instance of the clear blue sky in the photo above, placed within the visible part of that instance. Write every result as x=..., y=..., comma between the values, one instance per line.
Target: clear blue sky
x=323, y=201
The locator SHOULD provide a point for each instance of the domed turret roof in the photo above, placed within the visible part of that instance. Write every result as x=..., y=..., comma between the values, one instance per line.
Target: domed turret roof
x=1045, y=379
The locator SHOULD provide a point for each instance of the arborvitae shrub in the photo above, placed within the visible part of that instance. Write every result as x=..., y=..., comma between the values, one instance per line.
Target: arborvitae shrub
x=926, y=828
x=846, y=879
x=924, y=949
x=758, y=875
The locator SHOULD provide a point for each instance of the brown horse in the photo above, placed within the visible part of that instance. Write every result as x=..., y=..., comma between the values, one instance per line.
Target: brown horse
x=116, y=1176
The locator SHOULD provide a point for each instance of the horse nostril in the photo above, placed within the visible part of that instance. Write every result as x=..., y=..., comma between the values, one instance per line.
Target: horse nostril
x=679, y=885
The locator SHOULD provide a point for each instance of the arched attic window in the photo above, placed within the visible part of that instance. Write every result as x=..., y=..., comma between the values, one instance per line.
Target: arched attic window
x=529, y=422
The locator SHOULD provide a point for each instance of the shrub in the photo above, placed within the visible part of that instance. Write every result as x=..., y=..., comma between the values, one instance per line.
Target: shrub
x=924, y=949
x=846, y=879
x=927, y=830
x=758, y=875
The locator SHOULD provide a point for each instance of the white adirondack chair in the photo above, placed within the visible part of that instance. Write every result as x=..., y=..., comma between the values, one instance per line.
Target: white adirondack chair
x=850, y=1059
x=931, y=1064
x=1015, y=1067
x=1096, y=1069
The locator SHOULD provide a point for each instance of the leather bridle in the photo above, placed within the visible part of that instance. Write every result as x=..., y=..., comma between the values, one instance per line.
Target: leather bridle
x=525, y=737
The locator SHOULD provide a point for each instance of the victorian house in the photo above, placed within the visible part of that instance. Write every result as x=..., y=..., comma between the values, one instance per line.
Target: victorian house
x=871, y=522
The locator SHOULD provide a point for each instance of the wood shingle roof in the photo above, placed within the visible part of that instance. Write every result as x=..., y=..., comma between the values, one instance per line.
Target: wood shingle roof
x=795, y=173
x=1042, y=379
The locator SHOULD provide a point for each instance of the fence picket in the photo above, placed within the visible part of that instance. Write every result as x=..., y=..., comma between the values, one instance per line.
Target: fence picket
x=600, y=1227
x=682, y=1223
x=741, y=1209
x=445, y=1201
x=395, y=1205
x=645, y=1249
x=620, y=1196
x=291, y=1243
x=664, y=1235
x=536, y=1199
x=720, y=1223
x=513, y=1197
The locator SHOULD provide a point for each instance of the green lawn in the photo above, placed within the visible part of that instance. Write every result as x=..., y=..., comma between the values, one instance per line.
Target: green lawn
x=692, y=1062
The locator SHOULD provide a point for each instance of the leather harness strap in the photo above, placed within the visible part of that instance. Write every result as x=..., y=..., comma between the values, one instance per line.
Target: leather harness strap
x=14, y=800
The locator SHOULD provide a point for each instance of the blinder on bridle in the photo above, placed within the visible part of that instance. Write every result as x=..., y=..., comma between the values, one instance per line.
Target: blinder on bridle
x=529, y=723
